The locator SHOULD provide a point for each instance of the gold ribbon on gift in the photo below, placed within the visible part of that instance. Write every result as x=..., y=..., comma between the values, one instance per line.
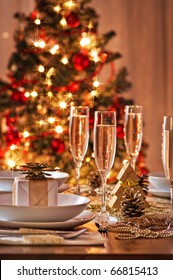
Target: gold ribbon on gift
x=38, y=193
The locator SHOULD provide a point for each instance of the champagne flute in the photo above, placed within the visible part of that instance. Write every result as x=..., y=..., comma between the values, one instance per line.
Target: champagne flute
x=104, y=152
x=79, y=137
x=167, y=155
x=133, y=128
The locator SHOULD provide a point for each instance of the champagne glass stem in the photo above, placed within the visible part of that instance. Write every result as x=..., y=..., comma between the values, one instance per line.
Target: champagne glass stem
x=77, y=179
x=104, y=179
x=171, y=204
x=133, y=162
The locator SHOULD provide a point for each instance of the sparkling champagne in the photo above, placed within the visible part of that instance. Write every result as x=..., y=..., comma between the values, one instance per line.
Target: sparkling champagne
x=104, y=146
x=167, y=154
x=133, y=133
x=79, y=136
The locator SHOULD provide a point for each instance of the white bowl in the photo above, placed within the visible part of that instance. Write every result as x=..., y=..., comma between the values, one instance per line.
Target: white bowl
x=68, y=207
x=7, y=178
x=158, y=181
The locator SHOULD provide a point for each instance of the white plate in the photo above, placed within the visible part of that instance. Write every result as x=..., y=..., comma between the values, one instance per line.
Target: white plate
x=69, y=206
x=7, y=178
x=161, y=193
x=85, y=217
x=158, y=181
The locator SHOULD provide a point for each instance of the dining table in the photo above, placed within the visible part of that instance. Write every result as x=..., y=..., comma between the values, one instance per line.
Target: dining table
x=112, y=249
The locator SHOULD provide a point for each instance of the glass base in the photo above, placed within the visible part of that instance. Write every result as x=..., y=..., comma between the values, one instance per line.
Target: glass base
x=103, y=219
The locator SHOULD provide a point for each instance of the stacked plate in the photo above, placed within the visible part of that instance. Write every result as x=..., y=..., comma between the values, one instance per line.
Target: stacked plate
x=159, y=185
x=69, y=212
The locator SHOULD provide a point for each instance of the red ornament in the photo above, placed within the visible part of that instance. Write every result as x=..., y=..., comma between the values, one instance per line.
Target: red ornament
x=80, y=61
x=72, y=20
x=12, y=137
x=19, y=96
x=57, y=145
x=74, y=86
x=34, y=14
x=120, y=131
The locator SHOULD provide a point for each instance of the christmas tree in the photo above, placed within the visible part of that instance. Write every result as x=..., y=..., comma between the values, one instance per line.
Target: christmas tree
x=58, y=58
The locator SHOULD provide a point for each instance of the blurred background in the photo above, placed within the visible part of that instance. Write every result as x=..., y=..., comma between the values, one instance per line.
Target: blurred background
x=145, y=40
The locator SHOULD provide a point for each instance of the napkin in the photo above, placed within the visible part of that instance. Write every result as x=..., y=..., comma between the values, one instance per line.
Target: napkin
x=89, y=238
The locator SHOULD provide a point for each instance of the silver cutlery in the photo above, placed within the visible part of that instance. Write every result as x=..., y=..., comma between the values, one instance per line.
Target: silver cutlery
x=64, y=234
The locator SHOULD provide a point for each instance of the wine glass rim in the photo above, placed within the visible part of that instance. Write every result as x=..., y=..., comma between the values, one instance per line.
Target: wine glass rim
x=73, y=106
x=134, y=106
x=105, y=111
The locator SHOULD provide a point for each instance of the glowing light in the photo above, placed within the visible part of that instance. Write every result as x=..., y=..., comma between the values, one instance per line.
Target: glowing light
x=94, y=55
x=37, y=21
x=63, y=104
x=49, y=82
x=59, y=129
x=64, y=60
x=11, y=163
x=87, y=159
x=85, y=41
x=41, y=68
x=41, y=122
x=96, y=83
x=90, y=25
x=57, y=8
x=63, y=22
x=69, y=4
x=50, y=94
x=27, y=94
x=69, y=95
x=25, y=134
x=34, y=93
x=54, y=49
x=36, y=44
x=51, y=120
x=12, y=147
x=93, y=93
x=50, y=72
x=40, y=44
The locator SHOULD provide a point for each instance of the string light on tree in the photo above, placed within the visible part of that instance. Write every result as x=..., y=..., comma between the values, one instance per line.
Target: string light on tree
x=59, y=129
x=63, y=22
x=64, y=60
x=85, y=41
x=25, y=134
x=51, y=120
x=37, y=21
x=63, y=105
x=34, y=94
x=57, y=9
x=54, y=49
x=70, y=4
x=41, y=68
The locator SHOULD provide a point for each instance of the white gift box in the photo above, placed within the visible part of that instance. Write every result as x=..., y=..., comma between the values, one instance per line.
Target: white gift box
x=27, y=192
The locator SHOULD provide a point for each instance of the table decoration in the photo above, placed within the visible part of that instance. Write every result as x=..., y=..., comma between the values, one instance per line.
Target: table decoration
x=35, y=189
x=127, y=178
x=147, y=226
